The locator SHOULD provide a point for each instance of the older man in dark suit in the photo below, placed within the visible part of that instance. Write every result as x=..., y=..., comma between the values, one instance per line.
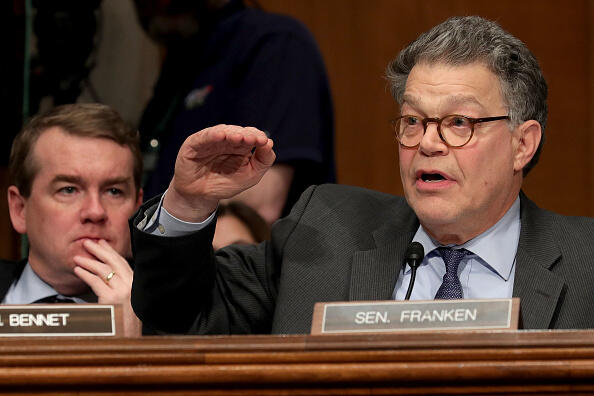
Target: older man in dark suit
x=473, y=111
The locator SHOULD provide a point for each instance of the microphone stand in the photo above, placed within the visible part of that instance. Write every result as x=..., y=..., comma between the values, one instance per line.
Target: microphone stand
x=413, y=274
x=414, y=257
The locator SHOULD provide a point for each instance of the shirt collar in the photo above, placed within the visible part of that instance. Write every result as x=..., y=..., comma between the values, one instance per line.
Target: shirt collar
x=495, y=248
x=30, y=287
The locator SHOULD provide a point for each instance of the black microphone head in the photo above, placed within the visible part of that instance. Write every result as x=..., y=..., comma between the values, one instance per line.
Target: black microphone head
x=414, y=254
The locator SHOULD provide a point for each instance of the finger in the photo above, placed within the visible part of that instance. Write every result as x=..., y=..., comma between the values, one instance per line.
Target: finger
x=205, y=139
x=264, y=156
x=223, y=129
x=236, y=137
x=102, y=271
x=249, y=135
x=232, y=133
x=92, y=280
x=107, y=293
x=240, y=144
x=105, y=253
x=233, y=144
x=261, y=137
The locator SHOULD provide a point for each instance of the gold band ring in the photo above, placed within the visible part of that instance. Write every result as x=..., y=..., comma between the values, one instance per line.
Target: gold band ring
x=109, y=276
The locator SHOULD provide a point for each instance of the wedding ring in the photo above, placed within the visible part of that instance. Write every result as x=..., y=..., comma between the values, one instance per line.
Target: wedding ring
x=109, y=276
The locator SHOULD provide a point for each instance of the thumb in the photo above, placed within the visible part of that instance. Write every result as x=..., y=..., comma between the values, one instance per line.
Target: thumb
x=264, y=156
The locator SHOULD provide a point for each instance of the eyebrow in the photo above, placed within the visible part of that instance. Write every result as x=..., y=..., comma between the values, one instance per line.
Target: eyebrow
x=67, y=179
x=463, y=99
x=79, y=180
x=416, y=101
x=412, y=100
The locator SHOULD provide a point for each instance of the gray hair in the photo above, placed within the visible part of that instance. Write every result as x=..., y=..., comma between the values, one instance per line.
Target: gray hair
x=463, y=40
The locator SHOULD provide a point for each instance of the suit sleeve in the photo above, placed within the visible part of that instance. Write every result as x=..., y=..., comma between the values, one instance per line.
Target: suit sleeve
x=182, y=287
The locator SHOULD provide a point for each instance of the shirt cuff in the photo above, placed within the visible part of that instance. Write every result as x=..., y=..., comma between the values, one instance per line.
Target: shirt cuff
x=163, y=223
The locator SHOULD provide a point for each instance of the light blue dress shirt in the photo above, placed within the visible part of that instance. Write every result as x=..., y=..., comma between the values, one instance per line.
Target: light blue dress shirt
x=162, y=223
x=29, y=288
x=486, y=273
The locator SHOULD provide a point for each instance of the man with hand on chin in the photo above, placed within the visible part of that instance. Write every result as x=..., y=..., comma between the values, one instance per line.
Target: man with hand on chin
x=75, y=177
x=472, y=116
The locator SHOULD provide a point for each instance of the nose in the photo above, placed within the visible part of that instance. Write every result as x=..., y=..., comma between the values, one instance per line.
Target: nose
x=431, y=143
x=93, y=210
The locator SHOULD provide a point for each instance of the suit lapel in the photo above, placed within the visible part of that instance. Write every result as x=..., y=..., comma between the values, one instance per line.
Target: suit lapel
x=374, y=272
x=538, y=288
x=9, y=271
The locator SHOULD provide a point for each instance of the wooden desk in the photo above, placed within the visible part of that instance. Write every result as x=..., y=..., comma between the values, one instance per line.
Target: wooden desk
x=487, y=362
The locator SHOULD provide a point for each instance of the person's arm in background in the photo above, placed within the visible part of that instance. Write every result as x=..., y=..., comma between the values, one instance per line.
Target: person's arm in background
x=269, y=196
x=285, y=93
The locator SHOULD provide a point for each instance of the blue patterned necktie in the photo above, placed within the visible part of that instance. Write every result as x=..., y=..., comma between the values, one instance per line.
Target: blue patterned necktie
x=451, y=288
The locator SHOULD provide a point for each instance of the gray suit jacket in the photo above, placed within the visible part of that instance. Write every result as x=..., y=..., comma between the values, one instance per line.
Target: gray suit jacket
x=340, y=243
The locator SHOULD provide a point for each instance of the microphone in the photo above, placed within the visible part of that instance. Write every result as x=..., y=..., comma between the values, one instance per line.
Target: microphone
x=414, y=257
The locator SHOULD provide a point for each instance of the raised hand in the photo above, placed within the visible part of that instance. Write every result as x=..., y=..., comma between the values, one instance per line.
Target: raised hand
x=213, y=164
x=110, y=277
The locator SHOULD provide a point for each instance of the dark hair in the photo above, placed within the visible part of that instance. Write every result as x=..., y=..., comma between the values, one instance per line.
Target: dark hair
x=87, y=120
x=464, y=40
x=259, y=229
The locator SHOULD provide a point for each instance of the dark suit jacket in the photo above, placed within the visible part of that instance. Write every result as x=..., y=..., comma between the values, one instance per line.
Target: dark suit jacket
x=9, y=272
x=340, y=244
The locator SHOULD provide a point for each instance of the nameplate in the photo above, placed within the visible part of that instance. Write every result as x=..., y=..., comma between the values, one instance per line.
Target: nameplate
x=58, y=320
x=403, y=316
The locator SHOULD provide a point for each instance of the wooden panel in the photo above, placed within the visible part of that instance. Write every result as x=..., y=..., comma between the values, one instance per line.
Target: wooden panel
x=482, y=362
x=359, y=38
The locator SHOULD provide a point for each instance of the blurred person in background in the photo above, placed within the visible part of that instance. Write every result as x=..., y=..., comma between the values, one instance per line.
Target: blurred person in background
x=239, y=223
x=226, y=63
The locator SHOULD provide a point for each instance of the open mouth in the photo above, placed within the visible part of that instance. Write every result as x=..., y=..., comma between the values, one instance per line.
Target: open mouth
x=432, y=177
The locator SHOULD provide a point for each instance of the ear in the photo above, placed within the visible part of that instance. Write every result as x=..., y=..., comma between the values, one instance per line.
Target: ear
x=139, y=198
x=526, y=143
x=17, y=207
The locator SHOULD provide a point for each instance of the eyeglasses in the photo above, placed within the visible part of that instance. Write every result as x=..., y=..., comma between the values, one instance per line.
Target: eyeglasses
x=455, y=130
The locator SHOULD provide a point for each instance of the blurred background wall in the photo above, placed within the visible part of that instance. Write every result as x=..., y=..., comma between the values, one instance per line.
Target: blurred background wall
x=358, y=39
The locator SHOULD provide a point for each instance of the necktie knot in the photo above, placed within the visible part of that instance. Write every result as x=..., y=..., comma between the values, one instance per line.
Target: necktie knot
x=55, y=299
x=451, y=287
